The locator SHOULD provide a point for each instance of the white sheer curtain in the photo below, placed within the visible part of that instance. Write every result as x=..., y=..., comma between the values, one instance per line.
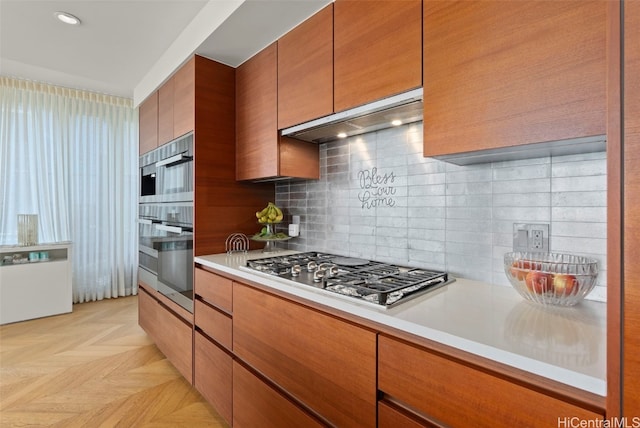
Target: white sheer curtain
x=71, y=157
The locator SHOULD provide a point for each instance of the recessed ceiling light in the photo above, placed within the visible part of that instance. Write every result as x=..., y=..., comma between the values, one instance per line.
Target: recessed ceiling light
x=396, y=122
x=67, y=18
x=342, y=135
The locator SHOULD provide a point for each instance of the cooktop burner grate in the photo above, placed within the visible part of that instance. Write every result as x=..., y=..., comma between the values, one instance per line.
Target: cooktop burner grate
x=380, y=283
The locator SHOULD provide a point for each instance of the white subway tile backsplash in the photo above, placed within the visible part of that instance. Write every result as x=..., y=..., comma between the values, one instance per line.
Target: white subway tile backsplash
x=573, y=244
x=577, y=184
x=577, y=169
x=581, y=214
x=579, y=199
x=523, y=214
x=470, y=188
x=579, y=229
x=535, y=185
x=379, y=198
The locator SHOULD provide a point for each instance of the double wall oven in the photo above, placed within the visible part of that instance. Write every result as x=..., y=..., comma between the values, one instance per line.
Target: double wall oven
x=165, y=220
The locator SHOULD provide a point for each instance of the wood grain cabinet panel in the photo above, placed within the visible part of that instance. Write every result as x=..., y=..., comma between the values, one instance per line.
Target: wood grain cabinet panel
x=165, y=112
x=175, y=340
x=215, y=289
x=255, y=404
x=147, y=313
x=377, y=50
x=184, y=103
x=148, y=120
x=258, y=143
x=257, y=116
x=465, y=396
x=631, y=114
x=499, y=74
x=327, y=364
x=215, y=324
x=390, y=416
x=214, y=375
x=305, y=70
x=172, y=333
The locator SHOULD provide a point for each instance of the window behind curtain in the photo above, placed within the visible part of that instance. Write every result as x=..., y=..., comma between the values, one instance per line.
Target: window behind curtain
x=71, y=157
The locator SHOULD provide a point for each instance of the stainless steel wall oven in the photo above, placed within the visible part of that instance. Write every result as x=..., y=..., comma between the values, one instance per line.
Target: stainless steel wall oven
x=165, y=221
x=166, y=173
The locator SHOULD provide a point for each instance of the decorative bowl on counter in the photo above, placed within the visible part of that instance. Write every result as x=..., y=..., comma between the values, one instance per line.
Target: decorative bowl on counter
x=551, y=278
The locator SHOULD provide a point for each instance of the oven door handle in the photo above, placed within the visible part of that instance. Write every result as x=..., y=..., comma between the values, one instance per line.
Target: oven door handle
x=147, y=221
x=148, y=251
x=174, y=160
x=174, y=229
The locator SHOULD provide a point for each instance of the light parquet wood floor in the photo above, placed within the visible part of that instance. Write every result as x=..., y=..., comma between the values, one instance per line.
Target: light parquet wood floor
x=94, y=367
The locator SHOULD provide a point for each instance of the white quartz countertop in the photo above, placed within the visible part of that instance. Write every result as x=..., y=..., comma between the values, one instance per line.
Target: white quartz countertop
x=566, y=345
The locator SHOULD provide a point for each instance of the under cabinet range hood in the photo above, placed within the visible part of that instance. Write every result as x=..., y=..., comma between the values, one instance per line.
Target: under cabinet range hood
x=385, y=113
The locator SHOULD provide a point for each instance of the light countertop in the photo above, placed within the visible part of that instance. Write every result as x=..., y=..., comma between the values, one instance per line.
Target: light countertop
x=567, y=345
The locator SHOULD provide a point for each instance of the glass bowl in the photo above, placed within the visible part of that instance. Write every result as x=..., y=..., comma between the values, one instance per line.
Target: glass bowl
x=551, y=278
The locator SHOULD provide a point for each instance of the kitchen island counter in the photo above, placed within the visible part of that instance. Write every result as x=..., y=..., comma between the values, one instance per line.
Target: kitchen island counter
x=566, y=345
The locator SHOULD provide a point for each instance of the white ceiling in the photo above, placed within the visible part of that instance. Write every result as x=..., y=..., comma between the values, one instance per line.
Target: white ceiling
x=128, y=48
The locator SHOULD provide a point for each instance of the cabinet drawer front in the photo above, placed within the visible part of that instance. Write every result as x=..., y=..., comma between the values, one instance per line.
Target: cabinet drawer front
x=215, y=289
x=465, y=396
x=213, y=323
x=175, y=340
x=214, y=375
x=326, y=363
x=147, y=313
x=389, y=417
x=255, y=404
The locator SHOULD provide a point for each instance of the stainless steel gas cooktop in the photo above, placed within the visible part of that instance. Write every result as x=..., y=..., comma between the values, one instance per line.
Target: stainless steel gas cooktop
x=381, y=284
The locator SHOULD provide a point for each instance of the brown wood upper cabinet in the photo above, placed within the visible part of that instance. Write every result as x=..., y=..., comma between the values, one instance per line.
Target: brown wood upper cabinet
x=169, y=112
x=176, y=104
x=377, y=50
x=499, y=74
x=165, y=112
x=305, y=70
x=260, y=152
x=184, y=98
x=148, y=119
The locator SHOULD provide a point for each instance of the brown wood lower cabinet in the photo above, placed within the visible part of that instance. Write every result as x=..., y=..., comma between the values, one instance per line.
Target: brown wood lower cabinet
x=255, y=404
x=327, y=364
x=172, y=334
x=147, y=313
x=392, y=416
x=213, y=375
x=458, y=395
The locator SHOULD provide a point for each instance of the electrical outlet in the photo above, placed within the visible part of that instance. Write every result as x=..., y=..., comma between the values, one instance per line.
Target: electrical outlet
x=536, y=239
x=531, y=237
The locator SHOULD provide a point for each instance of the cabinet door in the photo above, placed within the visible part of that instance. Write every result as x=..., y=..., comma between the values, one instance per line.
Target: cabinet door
x=148, y=120
x=325, y=363
x=305, y=70
x=184, y=99
x=631, y=358
x=391, y=417
x=215, y=324
x=214, y=289
x=165, y=112
x=175, y=341
x=147, y=313
x=256, y=116
x=499, y=74
x=377, y=50
x=465, y=396
x=255, y=404
x=214, y=375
